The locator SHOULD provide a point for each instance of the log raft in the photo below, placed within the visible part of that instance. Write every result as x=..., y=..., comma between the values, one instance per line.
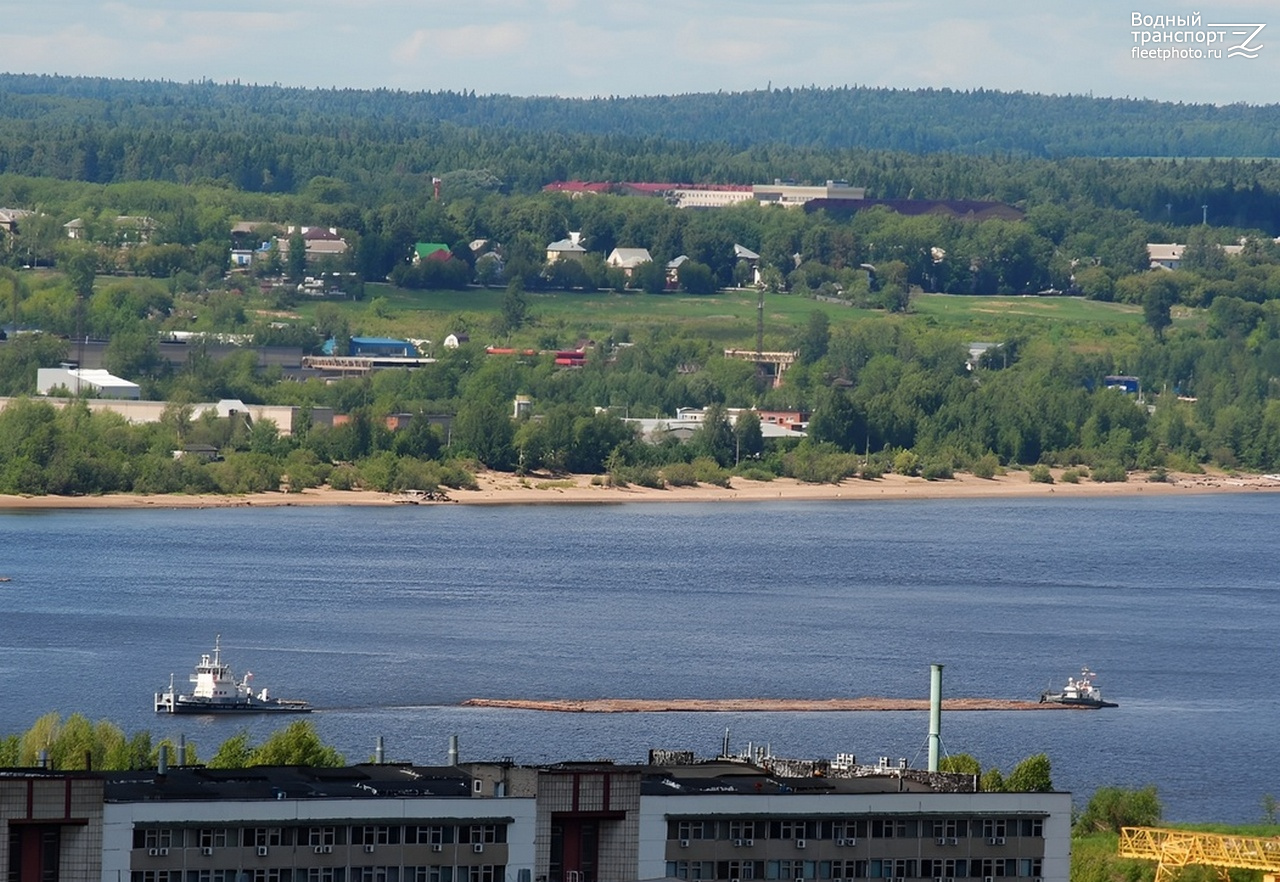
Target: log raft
x=765, y=705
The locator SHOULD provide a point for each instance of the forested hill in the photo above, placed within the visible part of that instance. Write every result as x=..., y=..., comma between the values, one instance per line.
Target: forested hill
x=921, y=121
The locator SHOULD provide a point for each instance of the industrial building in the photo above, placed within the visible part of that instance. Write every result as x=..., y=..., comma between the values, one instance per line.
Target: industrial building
x=729, y=819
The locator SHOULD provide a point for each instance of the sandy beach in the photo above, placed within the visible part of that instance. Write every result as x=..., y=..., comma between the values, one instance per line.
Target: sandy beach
x=497, y=488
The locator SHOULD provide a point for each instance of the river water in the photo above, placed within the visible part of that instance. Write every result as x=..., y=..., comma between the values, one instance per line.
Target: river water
x=387, y=618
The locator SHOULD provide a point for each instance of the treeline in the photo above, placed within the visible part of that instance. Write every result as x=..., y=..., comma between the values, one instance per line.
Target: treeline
x=356, y=150
x=77, y=743
x=915, y=121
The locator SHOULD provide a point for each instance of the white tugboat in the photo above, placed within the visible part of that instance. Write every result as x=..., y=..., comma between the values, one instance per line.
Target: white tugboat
x=1079, y=692
x=217, y=692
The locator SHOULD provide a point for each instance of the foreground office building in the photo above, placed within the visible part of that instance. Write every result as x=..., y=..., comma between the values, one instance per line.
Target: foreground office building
x=728, y=820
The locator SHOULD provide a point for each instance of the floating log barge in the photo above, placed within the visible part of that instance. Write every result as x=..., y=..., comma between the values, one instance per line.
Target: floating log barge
x=764, y=705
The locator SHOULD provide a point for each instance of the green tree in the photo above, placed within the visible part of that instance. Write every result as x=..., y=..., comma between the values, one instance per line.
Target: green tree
x=234, y=753
x=297, y=257
x=748, y=436
x=1032, y=775
x=960, y=763
x=1157, y=305
x=696, y=278
x=484, y=429
x=650, y=277
x=815, y=338
x=1111, y=808
x=296, y=745
x=714, y=437
x=515, y=308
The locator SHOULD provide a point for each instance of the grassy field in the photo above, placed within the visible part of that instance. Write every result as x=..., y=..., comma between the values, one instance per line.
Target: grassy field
x=728, y=318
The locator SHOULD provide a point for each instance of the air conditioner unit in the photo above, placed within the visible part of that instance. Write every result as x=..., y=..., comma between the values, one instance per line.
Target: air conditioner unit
x=951, y=840
x=436, y=846
x=939, y=879
x=799, y=843
x=851, y=841
x=748, y=842
x=477, y=847
x=988, y=879
x=153, y=851
x=684, y=843
x=799, y=878
x=319, y=849
x=206, y=851
x=942, y=840
x=164, y=852
x=737, y=843
x=999, y=840
x=839, y=842
x=262, y=851
x=326, y=849
x=368, y=849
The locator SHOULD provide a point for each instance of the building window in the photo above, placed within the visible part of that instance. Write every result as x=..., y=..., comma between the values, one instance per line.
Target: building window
x=441, y=874
x=791, y=829
x=956, y=868
x=322, y=874
x=742, y=829
x=211, y=837
x=260, y=836
x=691, y=830
x=427, y=835
x=156, y=876
x=883, y=828
x=322, y=836
x=848, y=869
x=1029, y=867
x=375, y=834
x=742, y=869
x=950, y=828
x=1032, y=827
x=488, y=833
x=848, y=829
x=993, y=827
x=274, y=874
x=152, y=837
x=375, y=874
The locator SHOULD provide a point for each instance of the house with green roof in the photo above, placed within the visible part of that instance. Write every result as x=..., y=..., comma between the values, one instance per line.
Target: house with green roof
x=431, y=251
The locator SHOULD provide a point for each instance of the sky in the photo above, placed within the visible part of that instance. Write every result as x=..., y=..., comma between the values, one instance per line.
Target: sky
x=585, y=48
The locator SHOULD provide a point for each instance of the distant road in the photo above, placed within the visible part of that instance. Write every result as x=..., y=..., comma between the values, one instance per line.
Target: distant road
x=737, y=705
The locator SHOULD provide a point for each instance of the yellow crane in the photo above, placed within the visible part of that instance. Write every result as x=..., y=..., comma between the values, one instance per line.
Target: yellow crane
x=1174, y=849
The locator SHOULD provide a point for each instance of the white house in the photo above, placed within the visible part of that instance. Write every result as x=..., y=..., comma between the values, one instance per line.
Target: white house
x=627, y=259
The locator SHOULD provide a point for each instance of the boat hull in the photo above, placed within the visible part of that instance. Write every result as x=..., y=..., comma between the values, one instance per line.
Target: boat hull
x=1076, y=702
x=233, y=707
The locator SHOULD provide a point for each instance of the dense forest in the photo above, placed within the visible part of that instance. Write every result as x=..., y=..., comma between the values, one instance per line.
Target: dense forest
x=384, y=146
x=978, y=122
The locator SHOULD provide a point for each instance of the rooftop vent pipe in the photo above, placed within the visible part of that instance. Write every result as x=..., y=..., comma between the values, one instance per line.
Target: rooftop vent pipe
x=935, y=714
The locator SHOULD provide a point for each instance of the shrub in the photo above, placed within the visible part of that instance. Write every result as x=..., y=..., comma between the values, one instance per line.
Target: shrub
x=707, y=471
x=906, y=463
x=1110, y=473
x=1158, y=476
x=937, y=470
x=1070, y=476
x=1040, y=474
x=986, y=466
x=344, y=477
x=454, y=475
x=755, y=473
x=872, y=470
x=680, y=474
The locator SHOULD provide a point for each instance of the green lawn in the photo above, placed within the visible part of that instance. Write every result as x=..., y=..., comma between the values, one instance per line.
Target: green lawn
x=729, y=318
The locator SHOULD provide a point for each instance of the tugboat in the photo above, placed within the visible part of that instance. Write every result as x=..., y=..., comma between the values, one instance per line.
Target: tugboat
x=1079, y=692
x=217, y=692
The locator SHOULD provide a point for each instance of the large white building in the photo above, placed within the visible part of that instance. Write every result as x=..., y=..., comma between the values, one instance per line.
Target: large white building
x=94, y=382
x=724, y=820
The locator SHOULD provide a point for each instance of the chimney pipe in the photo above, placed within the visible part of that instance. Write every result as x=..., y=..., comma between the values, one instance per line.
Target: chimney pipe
x=162, y=765
x=43, y=759
x=379, y=755
x=935, y=714
x=453, y=750
x=182, y=749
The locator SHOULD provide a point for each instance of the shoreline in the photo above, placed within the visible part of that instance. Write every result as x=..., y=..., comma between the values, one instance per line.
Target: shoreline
x=758, y=705
x=498, y=488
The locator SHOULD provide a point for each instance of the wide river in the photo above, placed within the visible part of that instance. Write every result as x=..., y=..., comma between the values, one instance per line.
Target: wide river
x=388, y=618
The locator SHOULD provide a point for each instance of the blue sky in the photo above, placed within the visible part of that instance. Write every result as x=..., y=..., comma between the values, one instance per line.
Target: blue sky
x=610, y=47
